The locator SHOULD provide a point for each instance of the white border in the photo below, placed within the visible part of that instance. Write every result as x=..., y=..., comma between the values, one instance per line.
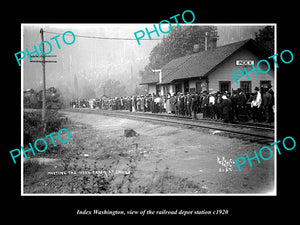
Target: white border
x=271, y=193
x=22, y=114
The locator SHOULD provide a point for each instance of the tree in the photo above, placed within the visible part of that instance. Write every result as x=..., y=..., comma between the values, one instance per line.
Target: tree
x=265, y=38
x=140, y=90
x=180, y=42
x=113, y=88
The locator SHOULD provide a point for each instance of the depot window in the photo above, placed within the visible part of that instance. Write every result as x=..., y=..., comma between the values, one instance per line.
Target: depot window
x=224, y=86
x=265, y=83
x=246, y=86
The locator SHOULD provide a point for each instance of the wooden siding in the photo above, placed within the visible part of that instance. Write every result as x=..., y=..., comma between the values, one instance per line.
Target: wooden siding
x=151, y=88
x=223, y=72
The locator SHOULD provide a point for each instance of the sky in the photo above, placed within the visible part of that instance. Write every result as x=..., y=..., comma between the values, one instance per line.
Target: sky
x=86, y=54
x=95, y=60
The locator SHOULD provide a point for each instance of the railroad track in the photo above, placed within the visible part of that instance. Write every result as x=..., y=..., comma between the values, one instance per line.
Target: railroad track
x=208, y=121
x=246, y=132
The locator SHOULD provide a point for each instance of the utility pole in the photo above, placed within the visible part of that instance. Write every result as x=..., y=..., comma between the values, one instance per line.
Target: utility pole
x=44, y=79
x=44, y=83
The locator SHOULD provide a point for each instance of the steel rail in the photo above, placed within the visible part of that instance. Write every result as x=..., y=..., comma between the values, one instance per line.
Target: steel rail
x=219, y=126
x=234, y=125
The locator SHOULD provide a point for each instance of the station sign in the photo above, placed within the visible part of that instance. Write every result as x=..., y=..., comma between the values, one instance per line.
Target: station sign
x=244, y=62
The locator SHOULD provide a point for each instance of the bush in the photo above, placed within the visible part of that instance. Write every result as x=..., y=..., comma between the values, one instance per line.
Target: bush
x=31, y=166
x=54, y=121
x=33, y=127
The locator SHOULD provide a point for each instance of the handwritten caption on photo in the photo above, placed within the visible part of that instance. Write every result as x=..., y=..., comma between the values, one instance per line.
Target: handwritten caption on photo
x=226, y=164
x=263, y=155
x=87, y=172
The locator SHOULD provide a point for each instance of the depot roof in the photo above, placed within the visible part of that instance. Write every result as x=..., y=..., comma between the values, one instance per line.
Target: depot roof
x=150, y=78
x=202, y=63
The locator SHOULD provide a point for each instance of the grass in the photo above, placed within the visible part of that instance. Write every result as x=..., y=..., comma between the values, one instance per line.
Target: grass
x=33, y=130
x=32, y=166
x=105, y=157
x=166, y=182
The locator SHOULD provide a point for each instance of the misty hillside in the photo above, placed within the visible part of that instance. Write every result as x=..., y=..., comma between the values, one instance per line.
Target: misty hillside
x=230, y=34
x=95, y=62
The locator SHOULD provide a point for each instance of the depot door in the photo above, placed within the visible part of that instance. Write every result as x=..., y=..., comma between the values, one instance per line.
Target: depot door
x=186, y=86
x=198, y=87
x=178, y=87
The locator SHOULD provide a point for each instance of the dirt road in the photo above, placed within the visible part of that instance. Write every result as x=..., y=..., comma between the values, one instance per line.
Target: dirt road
x=166, y=159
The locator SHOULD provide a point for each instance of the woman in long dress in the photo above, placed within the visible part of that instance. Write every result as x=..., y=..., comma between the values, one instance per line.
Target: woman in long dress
x=172, y=102
x=226, y=106
x=168, y=104
x=157, y=104
x=152, y=103
x=134, y=104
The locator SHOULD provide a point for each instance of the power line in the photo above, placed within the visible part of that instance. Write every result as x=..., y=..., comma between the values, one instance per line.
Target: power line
x=122, y=39
x=105, y=38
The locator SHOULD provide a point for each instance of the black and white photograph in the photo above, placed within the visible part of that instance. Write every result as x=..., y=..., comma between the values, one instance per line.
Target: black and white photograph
x=143, y=109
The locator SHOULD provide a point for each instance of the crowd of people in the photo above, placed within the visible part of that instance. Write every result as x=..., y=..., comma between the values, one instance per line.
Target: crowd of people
x=228, y=107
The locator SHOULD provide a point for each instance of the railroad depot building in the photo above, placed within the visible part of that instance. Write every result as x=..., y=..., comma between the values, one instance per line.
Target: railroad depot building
x=211, y=70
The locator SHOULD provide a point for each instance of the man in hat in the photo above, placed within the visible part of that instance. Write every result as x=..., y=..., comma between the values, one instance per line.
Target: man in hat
x=130, y=103
x=181, y=105
x=241, y=102
x=188, y=101
x=204, y=104
x=233, y=99
x=211, y=105
x=173, y=102
x=194, y=105
x=272, y=102
x=143, y=101
x=218, y=107
x=177, y=103
x=268, y=104
x=226, y=108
